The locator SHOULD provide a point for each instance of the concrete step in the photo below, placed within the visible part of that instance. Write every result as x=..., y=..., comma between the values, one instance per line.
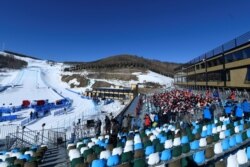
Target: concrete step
x=55, y=157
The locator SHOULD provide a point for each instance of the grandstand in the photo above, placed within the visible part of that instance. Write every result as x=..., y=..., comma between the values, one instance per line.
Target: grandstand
x=222, y=141
x=114, y=93
x=174, y=127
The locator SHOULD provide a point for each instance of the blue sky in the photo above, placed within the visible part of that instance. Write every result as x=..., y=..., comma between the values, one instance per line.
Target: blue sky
x=86, y=30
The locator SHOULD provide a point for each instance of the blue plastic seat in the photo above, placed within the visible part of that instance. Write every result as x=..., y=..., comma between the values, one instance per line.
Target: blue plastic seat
x=197, y=126
x=99, y=142
x=239, y=138
x=204, y=133
x=166, y=155
x=15, y=150
x=25, y=156
x=194, y=145
x=225, y=144
x=235, y=123
x=209, y=132
x=227, y=133
x=248, y=153
x=113, y=160
x=241, y=128
x=194, y=131
x=106, y=141
x=232, y=141
x=147, y=131
x=2, y=152
x=85, y=141
x=159, y=136
x=98, y=163
x=209, y=127
x=35, y=147
x=184, y=140
x=199, y=157
x=138, y=146
x=149, y=150
x=241, y=121
x=163, y=139
x=248, y=133
x=104, y=145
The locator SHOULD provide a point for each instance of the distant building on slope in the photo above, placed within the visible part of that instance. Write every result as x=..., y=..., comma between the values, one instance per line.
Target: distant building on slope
x=114, y=93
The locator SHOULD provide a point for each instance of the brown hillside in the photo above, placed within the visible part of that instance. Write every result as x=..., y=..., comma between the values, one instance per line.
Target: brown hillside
x=126, y=61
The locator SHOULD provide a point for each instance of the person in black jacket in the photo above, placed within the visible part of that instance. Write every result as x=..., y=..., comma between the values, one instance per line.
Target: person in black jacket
x=98, y=127
x=107, y=124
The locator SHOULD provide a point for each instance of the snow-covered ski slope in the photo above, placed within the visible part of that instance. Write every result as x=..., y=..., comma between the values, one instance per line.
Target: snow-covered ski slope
x=41, y=80
x=30, y=87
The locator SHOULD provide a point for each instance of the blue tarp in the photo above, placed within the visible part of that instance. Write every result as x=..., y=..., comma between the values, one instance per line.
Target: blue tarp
x=8, y=118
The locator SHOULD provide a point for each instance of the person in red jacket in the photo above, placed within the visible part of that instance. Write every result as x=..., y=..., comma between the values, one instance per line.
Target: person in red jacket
x=147, y=121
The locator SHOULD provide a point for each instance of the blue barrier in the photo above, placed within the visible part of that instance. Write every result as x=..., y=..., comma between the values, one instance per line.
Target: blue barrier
x=63, y=111
x=3, y=88
x=25, y=121
x=40, y=110
x=8, y=118
x=5, y=110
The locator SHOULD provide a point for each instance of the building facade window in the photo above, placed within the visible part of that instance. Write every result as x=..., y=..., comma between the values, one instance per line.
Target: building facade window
x=202, y=65
x=191, y=78
x=197, y=67
x=248, y=74
x=239, y=55
x=228, y=78
x=214, y=76
x=201, y=77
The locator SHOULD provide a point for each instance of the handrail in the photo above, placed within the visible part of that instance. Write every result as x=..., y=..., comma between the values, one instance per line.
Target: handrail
x=33, y=133
x=32, y=137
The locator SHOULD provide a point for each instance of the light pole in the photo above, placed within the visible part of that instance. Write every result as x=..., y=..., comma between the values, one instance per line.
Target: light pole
x=22, y=134
x=43, y=131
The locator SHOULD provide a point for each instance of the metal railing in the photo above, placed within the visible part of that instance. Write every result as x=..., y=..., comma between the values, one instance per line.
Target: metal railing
x=26, y=137
x=6, y=129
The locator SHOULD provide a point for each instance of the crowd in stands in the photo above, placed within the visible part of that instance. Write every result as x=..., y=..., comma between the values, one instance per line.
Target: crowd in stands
x=167, y=136
x=177, y=105
x=168, y=144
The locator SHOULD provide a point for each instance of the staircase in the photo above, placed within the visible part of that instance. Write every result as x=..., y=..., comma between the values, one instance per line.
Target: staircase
x=55, y=157
x=28, y=137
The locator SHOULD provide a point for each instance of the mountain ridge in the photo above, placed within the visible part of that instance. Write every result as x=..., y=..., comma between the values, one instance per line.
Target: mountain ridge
x=116, y=62
x=125, y=61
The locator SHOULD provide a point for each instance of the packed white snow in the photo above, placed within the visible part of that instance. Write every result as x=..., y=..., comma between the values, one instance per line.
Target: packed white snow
x=153, y=77
x=29, y=86
x=42, y=80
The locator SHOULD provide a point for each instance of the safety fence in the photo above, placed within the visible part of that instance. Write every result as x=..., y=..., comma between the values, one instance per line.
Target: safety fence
x=6, y=129
x=24, y=137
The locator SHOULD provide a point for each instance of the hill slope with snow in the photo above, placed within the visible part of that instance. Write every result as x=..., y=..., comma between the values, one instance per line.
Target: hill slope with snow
x=42, y=79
